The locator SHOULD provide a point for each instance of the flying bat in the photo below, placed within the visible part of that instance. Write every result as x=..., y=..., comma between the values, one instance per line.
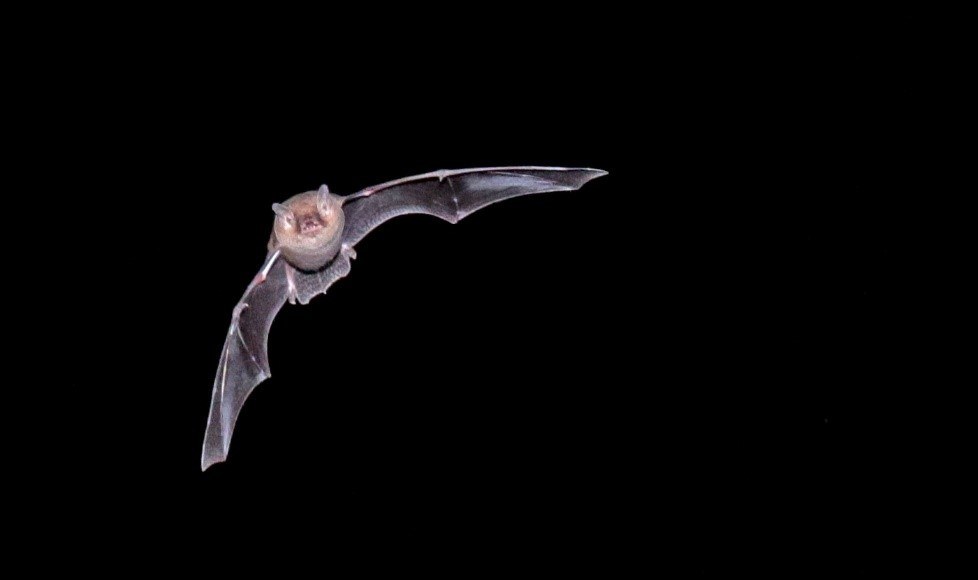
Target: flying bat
x=311, y=246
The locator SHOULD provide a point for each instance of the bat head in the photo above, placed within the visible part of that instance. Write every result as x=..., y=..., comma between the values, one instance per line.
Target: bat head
x=308, y=228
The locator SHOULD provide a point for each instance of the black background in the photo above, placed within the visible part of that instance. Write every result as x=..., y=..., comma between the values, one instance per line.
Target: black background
x=683, y=360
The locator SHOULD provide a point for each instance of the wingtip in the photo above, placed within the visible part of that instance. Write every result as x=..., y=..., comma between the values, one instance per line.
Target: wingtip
x=589, y=174
x=206, y=463
x=596, y=172
x=206, y=460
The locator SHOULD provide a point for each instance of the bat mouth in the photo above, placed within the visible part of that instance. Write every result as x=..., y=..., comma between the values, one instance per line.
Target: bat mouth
x=308, y=226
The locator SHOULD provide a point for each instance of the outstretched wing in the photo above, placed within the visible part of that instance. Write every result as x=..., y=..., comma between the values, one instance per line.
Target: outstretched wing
x=244, y=358
x=452, y=195
x=448, y=194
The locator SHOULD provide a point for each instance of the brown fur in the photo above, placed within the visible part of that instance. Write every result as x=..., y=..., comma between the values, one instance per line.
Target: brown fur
x=311, y=250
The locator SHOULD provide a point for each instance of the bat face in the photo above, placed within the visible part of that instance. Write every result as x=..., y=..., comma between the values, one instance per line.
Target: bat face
x=308, y=228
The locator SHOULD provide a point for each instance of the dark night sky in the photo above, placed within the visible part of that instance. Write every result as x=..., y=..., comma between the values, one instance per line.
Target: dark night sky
x=696, y=341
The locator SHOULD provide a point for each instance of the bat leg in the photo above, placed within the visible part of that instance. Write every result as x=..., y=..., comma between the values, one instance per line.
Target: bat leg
x=293, y=291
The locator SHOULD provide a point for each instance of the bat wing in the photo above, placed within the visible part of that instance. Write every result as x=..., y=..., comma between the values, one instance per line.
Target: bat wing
x=448, y=194
x=452, y=195
x=244, y=358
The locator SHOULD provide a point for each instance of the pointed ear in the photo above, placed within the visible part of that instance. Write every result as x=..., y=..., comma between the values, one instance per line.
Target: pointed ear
x=284, y=213
x=323, y=200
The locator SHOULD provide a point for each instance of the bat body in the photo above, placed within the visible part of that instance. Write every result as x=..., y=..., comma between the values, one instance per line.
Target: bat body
x=312, y=245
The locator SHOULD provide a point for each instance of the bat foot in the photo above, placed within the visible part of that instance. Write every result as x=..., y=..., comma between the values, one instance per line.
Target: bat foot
x=348, y=251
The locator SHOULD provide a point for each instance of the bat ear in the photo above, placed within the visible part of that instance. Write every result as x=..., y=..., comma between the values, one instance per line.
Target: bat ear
x=323, y=200
x=284, y=213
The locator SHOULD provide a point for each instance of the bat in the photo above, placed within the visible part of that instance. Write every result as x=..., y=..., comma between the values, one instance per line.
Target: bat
x=312, y=243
